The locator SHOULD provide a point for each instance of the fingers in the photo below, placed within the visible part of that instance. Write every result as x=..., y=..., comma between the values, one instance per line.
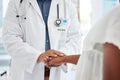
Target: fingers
x=58, y=53
x=48, y=66
x=56, y=61
x=52, y=64
x=53, y=54
x=48, y=56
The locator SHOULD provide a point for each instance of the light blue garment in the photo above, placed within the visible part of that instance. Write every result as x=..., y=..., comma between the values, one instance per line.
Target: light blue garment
x=45, y=7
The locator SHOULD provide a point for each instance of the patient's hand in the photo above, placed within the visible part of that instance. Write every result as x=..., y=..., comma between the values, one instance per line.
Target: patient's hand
x=50, y=56
x=56, y=61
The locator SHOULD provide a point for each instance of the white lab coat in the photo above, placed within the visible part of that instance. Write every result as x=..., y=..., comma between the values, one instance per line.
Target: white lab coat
x=24, y=39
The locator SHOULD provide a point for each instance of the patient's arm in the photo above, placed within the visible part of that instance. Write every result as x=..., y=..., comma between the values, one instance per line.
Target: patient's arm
x=111, y=62
x=65, y=59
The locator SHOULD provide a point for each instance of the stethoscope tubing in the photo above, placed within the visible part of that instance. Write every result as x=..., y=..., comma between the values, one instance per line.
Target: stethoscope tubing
x=58, y=11
x=57, y=21
x=21, y=1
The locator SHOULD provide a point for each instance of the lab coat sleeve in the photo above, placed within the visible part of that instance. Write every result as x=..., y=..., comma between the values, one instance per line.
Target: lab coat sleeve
x=20, y=51
x=73, y=40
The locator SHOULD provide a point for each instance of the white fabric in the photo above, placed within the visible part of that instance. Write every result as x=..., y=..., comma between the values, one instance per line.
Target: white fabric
x=89, y=66
x=106, y=30
x=25, y=39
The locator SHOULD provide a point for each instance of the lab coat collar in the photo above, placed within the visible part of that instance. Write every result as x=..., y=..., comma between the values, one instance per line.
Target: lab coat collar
x=45, y=0
x=36, y=6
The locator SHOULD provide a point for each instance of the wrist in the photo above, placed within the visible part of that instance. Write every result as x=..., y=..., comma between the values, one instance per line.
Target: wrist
x=64, y=59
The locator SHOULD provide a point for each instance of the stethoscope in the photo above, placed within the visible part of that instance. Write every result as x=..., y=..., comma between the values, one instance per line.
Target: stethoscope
x=58, y=21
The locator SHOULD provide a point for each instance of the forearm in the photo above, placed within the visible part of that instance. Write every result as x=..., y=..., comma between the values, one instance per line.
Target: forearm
x=71, y=59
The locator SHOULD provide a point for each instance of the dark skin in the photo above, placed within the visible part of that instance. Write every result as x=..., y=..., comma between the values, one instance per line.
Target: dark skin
x=65, y=59
x=111, y=62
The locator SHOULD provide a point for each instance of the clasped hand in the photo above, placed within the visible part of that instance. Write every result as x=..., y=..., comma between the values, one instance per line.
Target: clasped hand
x=52, y=58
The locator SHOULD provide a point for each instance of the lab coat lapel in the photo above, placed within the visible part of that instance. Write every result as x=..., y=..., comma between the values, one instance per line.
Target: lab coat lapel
x=53, y=33
x=36, y=6
x=55, y=73
x=53, y=9
x=51, y=24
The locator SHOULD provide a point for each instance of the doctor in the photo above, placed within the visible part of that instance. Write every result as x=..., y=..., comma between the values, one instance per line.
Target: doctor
x=32, y=28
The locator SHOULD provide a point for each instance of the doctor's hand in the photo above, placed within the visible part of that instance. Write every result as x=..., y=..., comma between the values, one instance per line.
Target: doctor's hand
x=49, y=55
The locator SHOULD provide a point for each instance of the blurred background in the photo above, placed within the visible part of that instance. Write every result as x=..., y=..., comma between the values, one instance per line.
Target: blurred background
x=89, y=11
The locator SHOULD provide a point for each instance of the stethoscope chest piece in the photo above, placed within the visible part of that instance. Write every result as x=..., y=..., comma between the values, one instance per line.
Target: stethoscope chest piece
x=58, y=22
